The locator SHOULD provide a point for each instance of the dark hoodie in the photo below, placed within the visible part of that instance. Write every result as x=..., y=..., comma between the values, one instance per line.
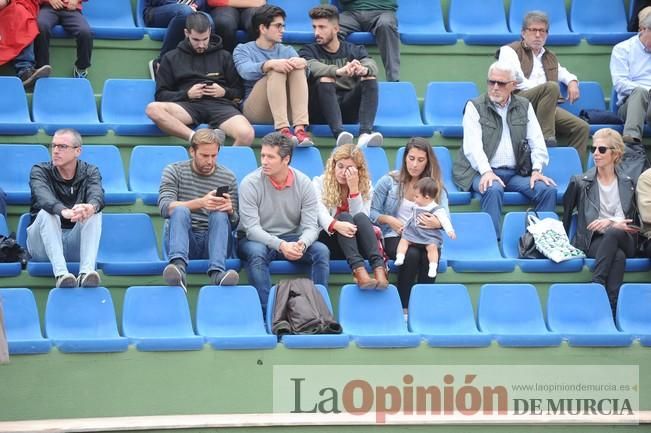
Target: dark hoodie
x=182, y=67
x=53, y=194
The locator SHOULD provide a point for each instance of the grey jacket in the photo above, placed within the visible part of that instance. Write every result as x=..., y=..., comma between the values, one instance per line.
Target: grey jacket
x=583, y=195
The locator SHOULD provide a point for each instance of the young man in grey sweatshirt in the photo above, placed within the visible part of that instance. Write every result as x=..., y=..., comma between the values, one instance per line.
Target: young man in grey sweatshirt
x=278, y=218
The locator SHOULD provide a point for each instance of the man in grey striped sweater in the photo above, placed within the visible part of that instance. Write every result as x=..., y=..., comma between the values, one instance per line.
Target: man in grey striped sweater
x=279, y=218
x=199, y=199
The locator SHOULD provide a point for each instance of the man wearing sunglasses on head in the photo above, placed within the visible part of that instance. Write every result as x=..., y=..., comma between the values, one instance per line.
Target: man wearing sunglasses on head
x=538, y=74
x=67, y=199
x=503, y=148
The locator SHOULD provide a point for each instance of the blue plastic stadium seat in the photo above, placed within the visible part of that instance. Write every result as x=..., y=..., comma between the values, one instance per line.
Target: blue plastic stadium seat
x=238, y=159
x=231, y=318
x=322, y=130
x=7, y=269
x=602, y=22
x=377, y=162
x=633, y=308
x=633, y=264
x=480, y=22
x=581, y=313
x=443, y=315
x=307, y=160
x=374, y=318
x=146, y=167
x=22, y=323
x=155, y=33
x=128, y=245
x=475, y=249
x=315, y=341
x=421, y=23
x=298, y=24
x=34, y=268
x=14, y=112
x=559, y=30
x=512, y=314
x=112, y=20
x=455, y=196
x=592, y=98
x=398, y=113
x=444, y=104
x=83, y=320
x=79, y=111
x=17, y=161
x=513, y=227
x=564, y=162
x=123, y=106
x=157, y=318
x=109, y=162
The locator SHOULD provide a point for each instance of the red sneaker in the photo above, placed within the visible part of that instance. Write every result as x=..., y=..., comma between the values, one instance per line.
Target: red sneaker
x=304, y=138
x=287, y=133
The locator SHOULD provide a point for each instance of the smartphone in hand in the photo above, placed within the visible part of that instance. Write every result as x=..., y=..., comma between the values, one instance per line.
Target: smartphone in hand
x=221, y=191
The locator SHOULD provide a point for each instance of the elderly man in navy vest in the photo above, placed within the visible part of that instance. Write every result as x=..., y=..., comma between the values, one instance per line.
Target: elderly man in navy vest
x=503, y=147
x=538, y=73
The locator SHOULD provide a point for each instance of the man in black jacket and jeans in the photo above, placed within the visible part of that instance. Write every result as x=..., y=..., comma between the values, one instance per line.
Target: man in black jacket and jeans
x=343, y=84
x=197, y=83
x=67, y=199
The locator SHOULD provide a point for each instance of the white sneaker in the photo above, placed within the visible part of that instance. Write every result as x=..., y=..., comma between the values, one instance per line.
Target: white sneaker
x=374, y=139
x=344, y=137
x=66, y=280
x=91, y=279
x=433, y=269
x=400, y=259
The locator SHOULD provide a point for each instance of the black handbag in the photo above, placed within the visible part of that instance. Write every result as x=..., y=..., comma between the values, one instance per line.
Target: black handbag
x=526, y=244
x=525, y=166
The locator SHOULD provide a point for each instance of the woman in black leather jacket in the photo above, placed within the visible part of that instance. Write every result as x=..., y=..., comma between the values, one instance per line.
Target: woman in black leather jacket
x=605, y=204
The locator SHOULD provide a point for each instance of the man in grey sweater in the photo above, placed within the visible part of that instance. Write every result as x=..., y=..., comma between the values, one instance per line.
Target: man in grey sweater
x=278, y=218
x=199, y=199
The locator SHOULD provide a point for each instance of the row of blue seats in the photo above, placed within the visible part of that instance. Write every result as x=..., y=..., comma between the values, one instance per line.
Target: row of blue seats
x=128, y=246
x=147, y=164
x=123, y=104
x=421, y=22
x=158, y=318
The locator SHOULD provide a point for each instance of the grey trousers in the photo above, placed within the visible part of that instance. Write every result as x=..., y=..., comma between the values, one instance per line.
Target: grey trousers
x=384, y=26
x=634, y=111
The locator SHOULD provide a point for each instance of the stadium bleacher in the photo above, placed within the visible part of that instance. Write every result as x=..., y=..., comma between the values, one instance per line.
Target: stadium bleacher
x=488, y=302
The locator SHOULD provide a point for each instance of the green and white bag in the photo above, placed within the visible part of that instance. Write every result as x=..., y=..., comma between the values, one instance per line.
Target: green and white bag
x=551, y=239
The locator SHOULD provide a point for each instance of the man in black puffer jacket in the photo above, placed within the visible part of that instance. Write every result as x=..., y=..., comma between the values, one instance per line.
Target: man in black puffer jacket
x=67, y=199
x=197, y=83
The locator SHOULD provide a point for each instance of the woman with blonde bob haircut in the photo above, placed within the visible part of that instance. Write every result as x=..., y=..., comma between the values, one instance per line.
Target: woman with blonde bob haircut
x=604, y=199
x=344, y=195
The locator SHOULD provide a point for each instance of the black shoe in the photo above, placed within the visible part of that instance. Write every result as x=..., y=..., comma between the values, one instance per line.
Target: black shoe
x=174, y=275
x=551, y=142
x=225, y=278
x=30, y=75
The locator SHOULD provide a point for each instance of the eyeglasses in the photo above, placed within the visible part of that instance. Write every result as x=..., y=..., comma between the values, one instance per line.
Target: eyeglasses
x=601, y=149
x=56, y=146
x=541, y=31
x=492, y=83
x=278, y=25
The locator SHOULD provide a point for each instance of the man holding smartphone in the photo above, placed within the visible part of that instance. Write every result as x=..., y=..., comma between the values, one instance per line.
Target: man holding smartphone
x=199, y=199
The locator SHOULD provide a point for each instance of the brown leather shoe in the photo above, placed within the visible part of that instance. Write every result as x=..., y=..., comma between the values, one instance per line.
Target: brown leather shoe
x=380, y=274
x=362, y=279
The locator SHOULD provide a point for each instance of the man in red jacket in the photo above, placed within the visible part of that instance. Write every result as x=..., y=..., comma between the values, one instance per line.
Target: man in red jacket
x=68, y=14
x=18, y=29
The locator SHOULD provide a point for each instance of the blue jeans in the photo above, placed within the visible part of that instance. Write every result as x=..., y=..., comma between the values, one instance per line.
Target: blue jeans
x=173, y=17
x=491, y=200
x=186, y=244
x=46, y=241
x=257, y=257
x=25, y=59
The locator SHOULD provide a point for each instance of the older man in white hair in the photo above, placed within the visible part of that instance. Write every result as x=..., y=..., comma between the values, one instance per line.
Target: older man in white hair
x=503, y=147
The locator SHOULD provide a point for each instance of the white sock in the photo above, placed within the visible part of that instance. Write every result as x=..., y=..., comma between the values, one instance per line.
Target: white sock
x=400, y=259
x=433, y=267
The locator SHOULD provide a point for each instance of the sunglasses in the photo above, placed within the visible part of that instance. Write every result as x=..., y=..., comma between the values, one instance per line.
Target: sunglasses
x=601, y=149
x=492, y=83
